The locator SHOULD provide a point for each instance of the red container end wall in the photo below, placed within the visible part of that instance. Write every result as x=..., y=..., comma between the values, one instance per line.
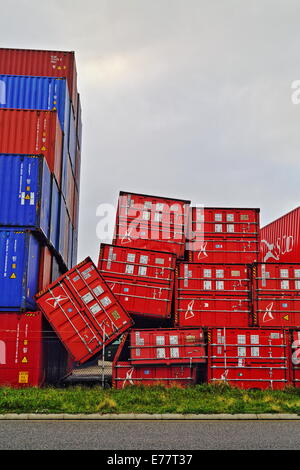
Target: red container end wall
x=249, y=358
x=151, y=222
x=83, y=311
x=221, y=235
x=21, y=358
x=167, y=346
x=41, y=63
x=142, y=280
x=276, y=293
x=209, y=295
x=32, y=132
x=280, y=240
x=127, y=375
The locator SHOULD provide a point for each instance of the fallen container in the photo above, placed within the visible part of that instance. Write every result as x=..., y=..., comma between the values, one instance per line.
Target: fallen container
x=83, y=311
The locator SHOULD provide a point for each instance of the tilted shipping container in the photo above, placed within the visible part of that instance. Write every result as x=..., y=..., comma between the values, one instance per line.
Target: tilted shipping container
x=142, y=280
x=83, y=311
x=152, y=223
x=32, y=132
x=25, y=183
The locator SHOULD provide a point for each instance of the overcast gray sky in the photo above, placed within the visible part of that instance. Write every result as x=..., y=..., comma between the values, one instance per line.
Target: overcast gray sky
x=190, y=99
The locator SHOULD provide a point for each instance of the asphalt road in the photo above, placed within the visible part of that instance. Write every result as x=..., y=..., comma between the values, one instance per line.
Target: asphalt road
x=149, y=435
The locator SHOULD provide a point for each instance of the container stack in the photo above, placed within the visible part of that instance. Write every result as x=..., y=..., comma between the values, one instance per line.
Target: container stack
x=40, y=145
x=191, y=293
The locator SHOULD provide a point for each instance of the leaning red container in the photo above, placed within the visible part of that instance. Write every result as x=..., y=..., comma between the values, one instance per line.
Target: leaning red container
x=83, y=311
x=253, y=358
x=142, y=280
x=152, y=222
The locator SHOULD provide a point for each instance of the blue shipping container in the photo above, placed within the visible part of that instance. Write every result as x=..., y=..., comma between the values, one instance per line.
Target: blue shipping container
x=44, y=93
x=19, y=269
x=25, y=188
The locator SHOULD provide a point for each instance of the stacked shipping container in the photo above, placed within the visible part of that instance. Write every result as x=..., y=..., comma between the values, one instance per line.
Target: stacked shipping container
x=40, y=138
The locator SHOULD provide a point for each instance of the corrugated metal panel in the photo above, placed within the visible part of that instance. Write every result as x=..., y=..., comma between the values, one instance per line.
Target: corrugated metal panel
x=19, y=269
x=68, y=187
x=280, y=240
x=45, y=268
x=74, y=248
x=64, y=230
x=25, y=184
x=32, y=132
x=21, y=355
x=72, y=143
x=79, y=122
x=44, y=93
x=83, y=311
x=41, y=63
x=55, y=215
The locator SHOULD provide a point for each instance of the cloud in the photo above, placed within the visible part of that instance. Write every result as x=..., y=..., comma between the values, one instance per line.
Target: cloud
x=185, y=99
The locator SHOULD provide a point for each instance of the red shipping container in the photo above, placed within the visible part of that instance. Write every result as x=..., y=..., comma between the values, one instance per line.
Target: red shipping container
x=282, y=312
x=41, y=63
x=213, y=279
x=249, y=358
x=153, y=223
x=192, y=311
x=209, y=295
x=223, y=235
x=224, y=250
x=280, y=240
x=83, y=311
x=21, y=358
x=295, y=358
x=142, y=280
x=229, y=222
x=45, y=273
x=124, y=374
x=167, y=346
x=277, y=279
x=32, y=132
x=276, y=293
